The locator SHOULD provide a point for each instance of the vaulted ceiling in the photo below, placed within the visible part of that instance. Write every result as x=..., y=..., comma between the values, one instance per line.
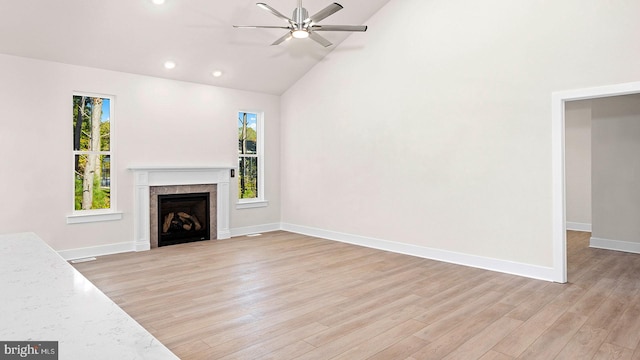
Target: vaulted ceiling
x=137, y=36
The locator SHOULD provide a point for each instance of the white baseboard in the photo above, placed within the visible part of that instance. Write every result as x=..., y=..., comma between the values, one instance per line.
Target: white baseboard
x=504, y=266
x=94, y=251
x=576, y=226
x=509, y=267
x=617, y=245
x=255, y=229
x=72, y=254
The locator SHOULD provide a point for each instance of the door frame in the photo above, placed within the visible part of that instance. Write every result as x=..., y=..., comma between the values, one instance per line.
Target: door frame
x=558, y=100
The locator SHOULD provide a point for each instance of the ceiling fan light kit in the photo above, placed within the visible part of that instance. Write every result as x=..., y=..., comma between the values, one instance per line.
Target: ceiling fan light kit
x=302, y=26
x=300, y=34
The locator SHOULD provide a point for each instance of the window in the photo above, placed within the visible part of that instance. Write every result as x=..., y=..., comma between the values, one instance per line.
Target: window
x=92, y=158
x=250, y=160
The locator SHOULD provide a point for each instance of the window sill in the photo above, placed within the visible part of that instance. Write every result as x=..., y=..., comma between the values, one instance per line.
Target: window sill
x=252, y=204
x=82, y=218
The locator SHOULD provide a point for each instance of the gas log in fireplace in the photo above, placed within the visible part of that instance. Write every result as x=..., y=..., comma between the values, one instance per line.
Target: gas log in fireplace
x=183, y=218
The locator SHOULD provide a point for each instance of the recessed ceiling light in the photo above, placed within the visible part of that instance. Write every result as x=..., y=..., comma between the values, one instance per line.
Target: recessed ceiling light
x=169, y=64
x=158, y=2
x=217, y=73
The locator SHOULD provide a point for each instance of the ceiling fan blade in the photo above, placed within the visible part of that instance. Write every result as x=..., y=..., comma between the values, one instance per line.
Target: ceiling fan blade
x=319, y=39
x=260, y=27
x=324, y=13
x=339, y=28
x=286, y=37
x=275, y=12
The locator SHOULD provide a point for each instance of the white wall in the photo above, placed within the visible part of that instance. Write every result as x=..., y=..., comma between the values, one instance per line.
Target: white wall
x=578, y=164
x=157, y=122
x=616, y=172
x=433, y=129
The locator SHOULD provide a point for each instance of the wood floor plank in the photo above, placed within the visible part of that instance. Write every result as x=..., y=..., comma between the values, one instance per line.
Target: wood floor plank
x=370, y=301
x=400, y=350
x=268, y=327
x=288, y=296
x=584, y=344
x=447, y=343
x=531, y=305
x=593, y=297
x=361, y=335
x=613, y=352
x=289, y=352
x=607, y=315
x=568, y=296
x=452, y=318
x=170, y=337
x=457, y=296
x=494, y=355
x=626, y=332
x=521, y=294
x=522, y=337
x=481, y=343
x=337, y=331
x=370, y=347
x=194, y=349
x=258, y=348
x=552, y=341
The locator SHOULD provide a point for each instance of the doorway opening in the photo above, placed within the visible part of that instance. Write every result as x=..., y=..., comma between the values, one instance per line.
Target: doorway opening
x=559, y=217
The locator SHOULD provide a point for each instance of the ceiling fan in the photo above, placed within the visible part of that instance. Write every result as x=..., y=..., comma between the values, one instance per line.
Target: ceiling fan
x=302, y=26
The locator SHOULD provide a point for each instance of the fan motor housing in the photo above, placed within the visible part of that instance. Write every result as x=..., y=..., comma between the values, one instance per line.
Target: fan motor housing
x=300, y=14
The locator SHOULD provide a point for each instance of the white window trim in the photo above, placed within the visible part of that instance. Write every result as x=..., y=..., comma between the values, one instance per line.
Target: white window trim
x=98, y=215
x=260, y=201
x=89, y=216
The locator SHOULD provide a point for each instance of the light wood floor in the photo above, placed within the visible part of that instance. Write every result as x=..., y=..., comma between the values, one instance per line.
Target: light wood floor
x=288, y=296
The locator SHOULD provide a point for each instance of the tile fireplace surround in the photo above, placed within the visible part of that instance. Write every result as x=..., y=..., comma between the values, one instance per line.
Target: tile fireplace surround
x=146, y=177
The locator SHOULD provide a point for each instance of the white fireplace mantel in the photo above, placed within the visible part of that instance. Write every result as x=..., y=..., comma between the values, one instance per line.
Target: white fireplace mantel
x=148, y=176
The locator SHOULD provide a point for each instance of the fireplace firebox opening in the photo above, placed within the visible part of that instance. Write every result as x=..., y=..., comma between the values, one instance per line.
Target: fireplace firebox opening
x=183, y=218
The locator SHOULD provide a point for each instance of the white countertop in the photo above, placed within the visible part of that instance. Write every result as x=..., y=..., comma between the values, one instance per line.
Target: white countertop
x=43, y=298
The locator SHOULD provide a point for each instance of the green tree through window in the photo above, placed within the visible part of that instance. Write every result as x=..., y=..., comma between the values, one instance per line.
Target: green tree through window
x=248, y=156
x=92, y=152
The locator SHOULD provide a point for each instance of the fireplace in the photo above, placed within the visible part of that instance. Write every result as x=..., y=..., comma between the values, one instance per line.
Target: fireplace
x=150, y=181
x=183, y=218
x=180, y=199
